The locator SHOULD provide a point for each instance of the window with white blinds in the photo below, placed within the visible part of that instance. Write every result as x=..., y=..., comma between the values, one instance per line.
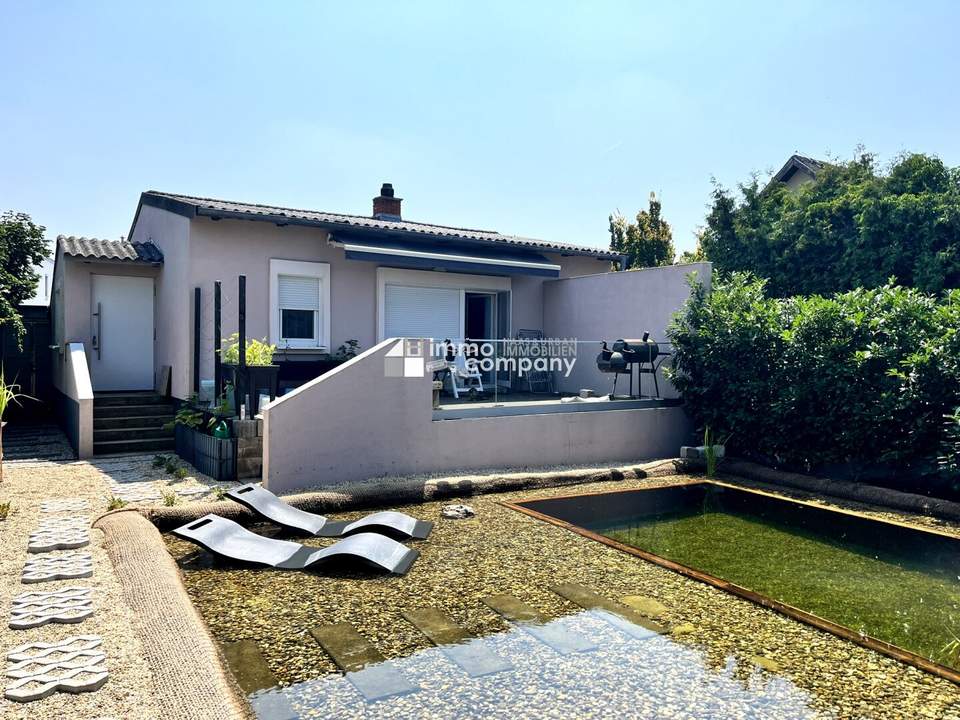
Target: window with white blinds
x=422, y=312
x=299, y=293
x=300, y=304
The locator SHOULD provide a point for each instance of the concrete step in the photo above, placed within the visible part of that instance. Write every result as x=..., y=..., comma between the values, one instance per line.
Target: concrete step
x=110, y=447
x=115, y=411
x=131, y=433
x=132, y=398
x=132, y=421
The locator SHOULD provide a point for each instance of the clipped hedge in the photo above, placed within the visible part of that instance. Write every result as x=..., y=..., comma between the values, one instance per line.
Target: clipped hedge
x=860, y=382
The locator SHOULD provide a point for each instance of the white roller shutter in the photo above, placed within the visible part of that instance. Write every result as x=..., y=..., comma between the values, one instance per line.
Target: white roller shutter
x=421, y=312
x=298, y=293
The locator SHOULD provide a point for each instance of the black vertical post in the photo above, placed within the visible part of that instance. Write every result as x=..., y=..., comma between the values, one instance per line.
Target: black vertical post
x=217, y=340
x=196, y=340
x=240, y=390
x=242, y=320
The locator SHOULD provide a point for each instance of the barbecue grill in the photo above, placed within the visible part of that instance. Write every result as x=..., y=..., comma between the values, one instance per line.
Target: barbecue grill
x=643, y=355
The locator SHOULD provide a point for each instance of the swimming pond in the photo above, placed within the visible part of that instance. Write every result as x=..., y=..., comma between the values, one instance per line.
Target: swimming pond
x=884, y=581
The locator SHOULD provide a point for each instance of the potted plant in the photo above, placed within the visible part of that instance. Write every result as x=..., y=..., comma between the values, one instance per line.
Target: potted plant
x=8, y=395
x=258, y=373
x=202, y=438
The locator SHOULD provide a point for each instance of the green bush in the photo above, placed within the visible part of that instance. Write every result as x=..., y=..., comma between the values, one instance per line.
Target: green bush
x=862, y=379
x=259, y=352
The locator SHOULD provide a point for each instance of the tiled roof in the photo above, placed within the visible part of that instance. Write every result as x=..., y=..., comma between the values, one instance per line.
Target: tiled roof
x=272, y=213
x=812, y=165
x=110, y=249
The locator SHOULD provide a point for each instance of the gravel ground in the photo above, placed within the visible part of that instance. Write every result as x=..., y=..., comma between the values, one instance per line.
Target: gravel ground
x=503, y=551
x=128, y=692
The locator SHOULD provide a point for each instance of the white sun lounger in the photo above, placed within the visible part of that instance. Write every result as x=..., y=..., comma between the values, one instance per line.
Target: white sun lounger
x=231, y=540
x=267, y=505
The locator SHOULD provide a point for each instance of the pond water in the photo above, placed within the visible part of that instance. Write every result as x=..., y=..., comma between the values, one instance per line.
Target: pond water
x=890, y=582
x=620, y=676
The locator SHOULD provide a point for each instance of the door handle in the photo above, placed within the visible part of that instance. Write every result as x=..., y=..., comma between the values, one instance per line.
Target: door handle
x=98, y=335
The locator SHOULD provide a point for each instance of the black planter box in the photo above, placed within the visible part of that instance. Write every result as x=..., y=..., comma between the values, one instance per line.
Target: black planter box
x=250, y=380
x=216, y=457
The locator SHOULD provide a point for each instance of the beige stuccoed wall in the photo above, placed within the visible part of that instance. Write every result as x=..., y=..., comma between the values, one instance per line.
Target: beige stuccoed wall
x=224, y=249
x=171, y=233
x=355, y=423
x=612, y=306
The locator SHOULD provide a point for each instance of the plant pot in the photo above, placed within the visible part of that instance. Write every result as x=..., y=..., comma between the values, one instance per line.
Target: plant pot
x=216, y=457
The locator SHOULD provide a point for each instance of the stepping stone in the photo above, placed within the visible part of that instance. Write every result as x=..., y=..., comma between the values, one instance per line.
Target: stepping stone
x=33, y=609
x=369, y=671
x=62, y=650
x=272, y=705
x=62, y=533
x=470, y=653
x=538, y=625
x=187, y=492
x=645, y=605
x=63, y=505
x=248, y=665
x=621, y=617
x=68, y=566
x=40, y=686
x=40, y=669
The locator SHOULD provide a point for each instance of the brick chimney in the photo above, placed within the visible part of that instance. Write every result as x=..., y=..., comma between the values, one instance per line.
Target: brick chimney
x=385, y=205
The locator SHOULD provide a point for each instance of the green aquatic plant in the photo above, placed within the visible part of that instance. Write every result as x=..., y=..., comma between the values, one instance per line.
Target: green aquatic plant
x=169, y=498
x=159, y=460
x=950, y=655
x=5, y=508
x=710, y=451
x=180, y=473
x=115, y=503
x=171, y=465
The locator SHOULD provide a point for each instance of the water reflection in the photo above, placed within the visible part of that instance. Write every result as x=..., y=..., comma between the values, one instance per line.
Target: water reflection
x=627, y=675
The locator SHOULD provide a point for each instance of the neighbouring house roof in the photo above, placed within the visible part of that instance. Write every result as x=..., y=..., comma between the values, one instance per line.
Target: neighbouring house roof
x=191, y=206
x=798, y=163
x=110, y=249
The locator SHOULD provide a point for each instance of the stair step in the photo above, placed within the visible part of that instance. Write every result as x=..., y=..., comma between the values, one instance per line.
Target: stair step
x=115, y=411
x=127, y=446
x=134, y=433
x=115, y=399
x=131, y=421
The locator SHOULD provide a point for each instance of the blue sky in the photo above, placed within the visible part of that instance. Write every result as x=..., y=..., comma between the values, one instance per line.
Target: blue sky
x=534, y=119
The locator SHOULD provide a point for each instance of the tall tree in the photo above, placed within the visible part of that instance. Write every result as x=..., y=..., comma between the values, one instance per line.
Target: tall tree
x=854, y=226
x=22, y=248
x=648, y=242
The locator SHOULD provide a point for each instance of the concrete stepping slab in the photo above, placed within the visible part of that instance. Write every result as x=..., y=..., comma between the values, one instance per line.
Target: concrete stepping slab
x=68, y=566
x=645, y=605
x=535, y=623
x=68, y=533
x=467, y=651
x=63, y=505
x=248, y=666
x=621, y=617
x=364, y=666
x=33, y=609
x=62, y=650
x=272, y=705
x=43, y=685
x=72, y=665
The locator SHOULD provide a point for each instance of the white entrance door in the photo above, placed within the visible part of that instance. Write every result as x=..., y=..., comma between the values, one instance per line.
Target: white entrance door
x=122, y=333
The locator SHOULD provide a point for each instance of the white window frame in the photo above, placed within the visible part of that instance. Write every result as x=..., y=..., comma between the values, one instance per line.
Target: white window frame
x=427, y=278
x=318, y=270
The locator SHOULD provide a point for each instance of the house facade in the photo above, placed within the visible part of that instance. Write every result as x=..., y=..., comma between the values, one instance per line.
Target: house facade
x=313, y=281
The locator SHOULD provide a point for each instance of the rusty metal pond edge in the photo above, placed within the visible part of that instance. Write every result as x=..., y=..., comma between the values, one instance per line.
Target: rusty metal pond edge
x=880, y=646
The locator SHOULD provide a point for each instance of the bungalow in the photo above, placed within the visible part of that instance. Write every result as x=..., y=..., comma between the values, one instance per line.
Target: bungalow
x=123, y=311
